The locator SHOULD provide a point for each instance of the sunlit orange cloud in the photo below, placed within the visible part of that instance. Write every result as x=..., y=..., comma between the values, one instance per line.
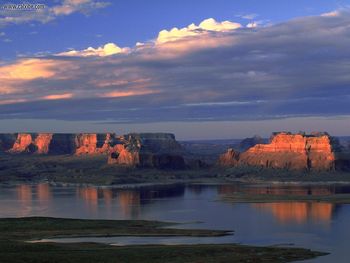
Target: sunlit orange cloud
x=14, y=76
x=3, y=102
x=58, y=96
x=29, y=69
x=116, y=94
x=183, y=46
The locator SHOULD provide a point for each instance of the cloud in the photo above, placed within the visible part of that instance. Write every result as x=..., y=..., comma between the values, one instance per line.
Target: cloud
x=209, y=24
x=28, y=69
x=118, y=94
x=292, y=69
x=252, y=24
x=49, y=13
x=247, y=16
x=107, y=50
x=332, y=13
x=58, y=96
x=169, y=43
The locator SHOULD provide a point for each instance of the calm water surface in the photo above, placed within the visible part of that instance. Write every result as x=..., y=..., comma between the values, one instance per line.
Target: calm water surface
x=321, y=226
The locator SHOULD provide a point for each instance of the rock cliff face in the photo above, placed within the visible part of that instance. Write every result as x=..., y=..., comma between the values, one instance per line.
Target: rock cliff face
x=94, y=143
x=250, y=142
x=49, y=143
x=7, y=141
x=289, y=151
x=154, y=150
x=230, y=158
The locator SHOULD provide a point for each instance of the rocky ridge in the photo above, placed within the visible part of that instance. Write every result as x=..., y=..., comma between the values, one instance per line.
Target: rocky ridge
x=148, y=150
x=157, y=150
x=317, y=151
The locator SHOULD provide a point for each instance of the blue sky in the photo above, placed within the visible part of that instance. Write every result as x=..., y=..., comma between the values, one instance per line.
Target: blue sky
x=127, y=22
x=271, y=64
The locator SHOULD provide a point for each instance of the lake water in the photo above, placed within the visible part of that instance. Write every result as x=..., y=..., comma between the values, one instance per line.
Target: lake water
x=320, y=226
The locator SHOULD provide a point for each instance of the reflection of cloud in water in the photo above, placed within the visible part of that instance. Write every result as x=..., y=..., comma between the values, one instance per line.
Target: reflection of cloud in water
x=300, y=212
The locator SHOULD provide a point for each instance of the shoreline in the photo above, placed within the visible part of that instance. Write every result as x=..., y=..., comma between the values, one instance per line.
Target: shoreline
x=16, y=230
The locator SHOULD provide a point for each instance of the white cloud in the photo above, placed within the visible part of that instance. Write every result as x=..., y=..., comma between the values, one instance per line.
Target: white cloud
x=205, y=26
x=252, y=25
x=168, y=43
x=106, y=50
x=331, y=14
x=247, y=16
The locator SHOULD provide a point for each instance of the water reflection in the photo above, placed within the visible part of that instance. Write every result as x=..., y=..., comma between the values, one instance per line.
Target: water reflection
x=24, y=197
x=90, y=197
x=130, y=203
x=300, y=212
x=287, y=212
x=283, y=190
x=260, y=224
x=44, y=192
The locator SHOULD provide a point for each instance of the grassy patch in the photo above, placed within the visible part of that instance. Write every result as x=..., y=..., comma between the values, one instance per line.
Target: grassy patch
x=14, y=250
x=47, y=227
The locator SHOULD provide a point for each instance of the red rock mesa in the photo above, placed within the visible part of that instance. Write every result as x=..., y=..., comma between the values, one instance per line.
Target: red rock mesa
x=288, y=151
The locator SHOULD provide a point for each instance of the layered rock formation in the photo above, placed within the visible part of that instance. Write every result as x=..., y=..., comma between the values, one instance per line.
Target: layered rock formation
x=49, y=143
x=230, y=158
x=154, y=150
x=95, y=143
x=250, y=142
x=289, y=151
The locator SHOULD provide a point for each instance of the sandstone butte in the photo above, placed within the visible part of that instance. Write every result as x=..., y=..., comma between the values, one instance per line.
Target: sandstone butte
x=159, y=150
x=317, y=151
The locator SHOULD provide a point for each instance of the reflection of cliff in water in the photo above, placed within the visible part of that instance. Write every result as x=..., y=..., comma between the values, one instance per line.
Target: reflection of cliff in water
x=284, y=190
x=300, y=212
x=90, y=197
x=27, y=194
x=129, y=201
x=286, y=212
x=198, y=189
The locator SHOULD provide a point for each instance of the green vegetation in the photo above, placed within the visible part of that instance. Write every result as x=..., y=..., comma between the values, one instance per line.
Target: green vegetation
x=14, y=249
x=40, y=227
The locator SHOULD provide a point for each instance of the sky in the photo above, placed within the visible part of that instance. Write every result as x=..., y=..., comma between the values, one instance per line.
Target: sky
x=200, y=69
